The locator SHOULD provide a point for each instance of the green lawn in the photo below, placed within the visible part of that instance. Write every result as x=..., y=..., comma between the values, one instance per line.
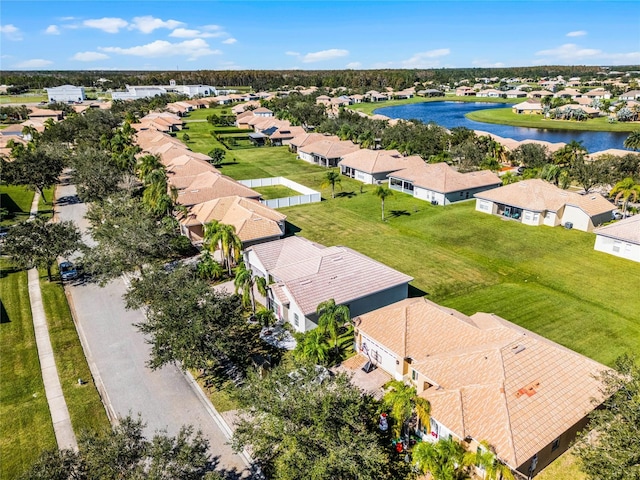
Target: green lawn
x=23, y=99
x=507, y=117
x=85, y=407
x=17, y=200
x=25, y=421
x=565, y=467
x=276, y=191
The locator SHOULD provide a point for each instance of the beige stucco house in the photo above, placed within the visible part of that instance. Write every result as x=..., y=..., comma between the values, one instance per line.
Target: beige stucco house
x=621, y=239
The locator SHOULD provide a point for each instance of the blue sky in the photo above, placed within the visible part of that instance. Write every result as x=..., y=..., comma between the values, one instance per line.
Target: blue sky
x=221, y=35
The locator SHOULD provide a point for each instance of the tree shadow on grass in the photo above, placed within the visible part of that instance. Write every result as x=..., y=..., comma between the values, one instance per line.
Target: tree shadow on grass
x=6, y=271
x=399, y=213
x=345, y=194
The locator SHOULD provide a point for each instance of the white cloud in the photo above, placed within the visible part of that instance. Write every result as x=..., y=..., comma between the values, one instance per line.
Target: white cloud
x=571, y=53
x=193, y=33
x=324, y=55
x=229, y=41
x=148, y=24
x=160, y=48
x=89, y=56
x=211, y=28
x=426, y=59
x=106, y=24
x=577, y=33
x=52, y=30
x=11, y=32
x=34, y=63
x=354, y=65
x=293, y=54
x=66, y=19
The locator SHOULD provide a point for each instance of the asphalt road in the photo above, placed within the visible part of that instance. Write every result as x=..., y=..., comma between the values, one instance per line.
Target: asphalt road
x=165, y=398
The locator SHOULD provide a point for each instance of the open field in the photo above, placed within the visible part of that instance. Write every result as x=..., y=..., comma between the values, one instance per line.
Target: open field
x=23, y=99
x=549, y=280
x=25, y=421
x=507, y=117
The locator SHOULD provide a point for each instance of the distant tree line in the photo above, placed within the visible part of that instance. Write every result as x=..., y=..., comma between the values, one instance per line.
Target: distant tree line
x=271, y=79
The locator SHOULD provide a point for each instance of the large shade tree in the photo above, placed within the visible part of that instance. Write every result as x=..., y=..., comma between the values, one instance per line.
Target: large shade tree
x=39, y=244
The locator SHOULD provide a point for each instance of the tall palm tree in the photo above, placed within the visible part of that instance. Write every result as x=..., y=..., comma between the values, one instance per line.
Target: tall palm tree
x=246, y=281
x=220, y=236
x=148, y=164
x=551, y=173
x=331, y=179
x=444, y=460
x=331, y=317
x=494, y=469
x=382, y=192
x=633, y=140
x=625, y=190
x=403, y=402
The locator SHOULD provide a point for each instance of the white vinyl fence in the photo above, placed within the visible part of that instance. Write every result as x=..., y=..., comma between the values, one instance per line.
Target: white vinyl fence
x=307, y=195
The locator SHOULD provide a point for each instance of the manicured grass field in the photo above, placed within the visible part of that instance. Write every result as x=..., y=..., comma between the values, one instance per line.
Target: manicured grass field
x=25, y=421
x=275, y=191
x=17, y=200
x=507, y=117
x=565, y=467
x=23, y=99
x=549, y=280
x=85, y=407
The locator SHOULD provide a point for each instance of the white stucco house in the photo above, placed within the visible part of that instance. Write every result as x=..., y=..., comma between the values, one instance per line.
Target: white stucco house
x=65, y=94
x=440, y=184
x=373, y=166
x=536, y=202
x=302, y=274
x=326, y=153
x=621, y=239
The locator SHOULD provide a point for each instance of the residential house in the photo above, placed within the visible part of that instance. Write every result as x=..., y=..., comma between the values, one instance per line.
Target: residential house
x=487, y=379
x=621, y=239
x=44, y=114
x=208, y=186
x=440, y=184
x=515, y=94
x=430, y=92
x=302, y=274
x=491, y=93
x=284, y=135
x=527, y=107
x=536, y=202
x=262, y=112
x=630, y=95
x=326, y=153
x=465, y=92
x=373, y=166
x=539, y=94
x=65, y=94
x=567, y=93
x=253, y=222
x=375, y=96
x=306, y=139
x=598, y=94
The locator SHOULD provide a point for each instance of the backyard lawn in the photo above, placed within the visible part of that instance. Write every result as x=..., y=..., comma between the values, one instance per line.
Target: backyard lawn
x=275, y=191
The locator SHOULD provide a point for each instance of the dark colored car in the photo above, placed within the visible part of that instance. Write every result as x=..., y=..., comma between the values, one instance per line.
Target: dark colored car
x=68, y=271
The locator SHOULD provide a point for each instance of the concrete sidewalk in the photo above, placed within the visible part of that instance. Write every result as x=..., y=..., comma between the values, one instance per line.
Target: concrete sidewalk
x=53, y=390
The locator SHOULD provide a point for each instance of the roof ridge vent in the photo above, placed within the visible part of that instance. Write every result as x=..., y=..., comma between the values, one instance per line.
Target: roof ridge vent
x=305, y=282
x=517, y=349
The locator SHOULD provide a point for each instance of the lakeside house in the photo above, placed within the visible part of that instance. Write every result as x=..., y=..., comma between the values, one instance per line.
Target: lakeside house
x=307, y=139
x=440, y=184
x=527, y=107
x=486, y=379
x=373, y=166
x=536, y=202
x=621, y=238
x=302, y=274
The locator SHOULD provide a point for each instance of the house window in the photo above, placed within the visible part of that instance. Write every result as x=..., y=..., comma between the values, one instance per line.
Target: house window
x=556, y=444
x=616, y=246
x=414, y=375
x=296, y=320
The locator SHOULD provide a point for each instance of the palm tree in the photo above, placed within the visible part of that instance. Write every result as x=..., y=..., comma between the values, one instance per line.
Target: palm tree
x=208, y=268
x=626, y=190
x=265, y=316
x=509, y=178
x=382, y=192
x=633, y=140
x=403, y=402
x=444, y=460
x=220, y=236
x=147, y=164
x=331, y=179
x=551, y=173
x=494, y=468
x=331, y=317
x=314, y=347
x=245, y=281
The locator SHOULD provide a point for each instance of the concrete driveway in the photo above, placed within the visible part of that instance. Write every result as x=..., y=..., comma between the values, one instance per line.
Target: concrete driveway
x=165, y=398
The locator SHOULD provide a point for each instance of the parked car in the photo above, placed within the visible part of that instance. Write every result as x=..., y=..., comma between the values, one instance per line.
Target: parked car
x=68, y=271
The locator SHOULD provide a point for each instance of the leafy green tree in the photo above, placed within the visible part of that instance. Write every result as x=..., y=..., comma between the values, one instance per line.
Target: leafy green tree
x=611, y=450
x=125, y=453
x=509, y=178
x=217, y=155
x=208, y=268
x=221, y=236
x=633, y=140
x=94, y=174
x=530, y=155
x=403, y=404
x=443, y=460
x=589, y=174
x=190, y=324
x=314, y=347
x=382, y=192
x=331, y=179
x=570, y=154
x=625, y=190
x=185, y=137
x=38, y=243
x=307, y=424
x=35, y=167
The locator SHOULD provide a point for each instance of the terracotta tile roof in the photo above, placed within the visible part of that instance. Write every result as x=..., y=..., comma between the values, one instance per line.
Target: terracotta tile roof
x=329, y=149
x=539, y=196
x=309, y=138
x=313, y=273
x=287, y=132
x=491, y=380
x=209, y=186
x=252, y=220
x=379, y=161
x=181, y=169
x=440, y=177
x=627, y=230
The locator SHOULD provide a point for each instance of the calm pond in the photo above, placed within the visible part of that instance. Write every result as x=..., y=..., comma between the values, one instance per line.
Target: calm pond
x=451, y=114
